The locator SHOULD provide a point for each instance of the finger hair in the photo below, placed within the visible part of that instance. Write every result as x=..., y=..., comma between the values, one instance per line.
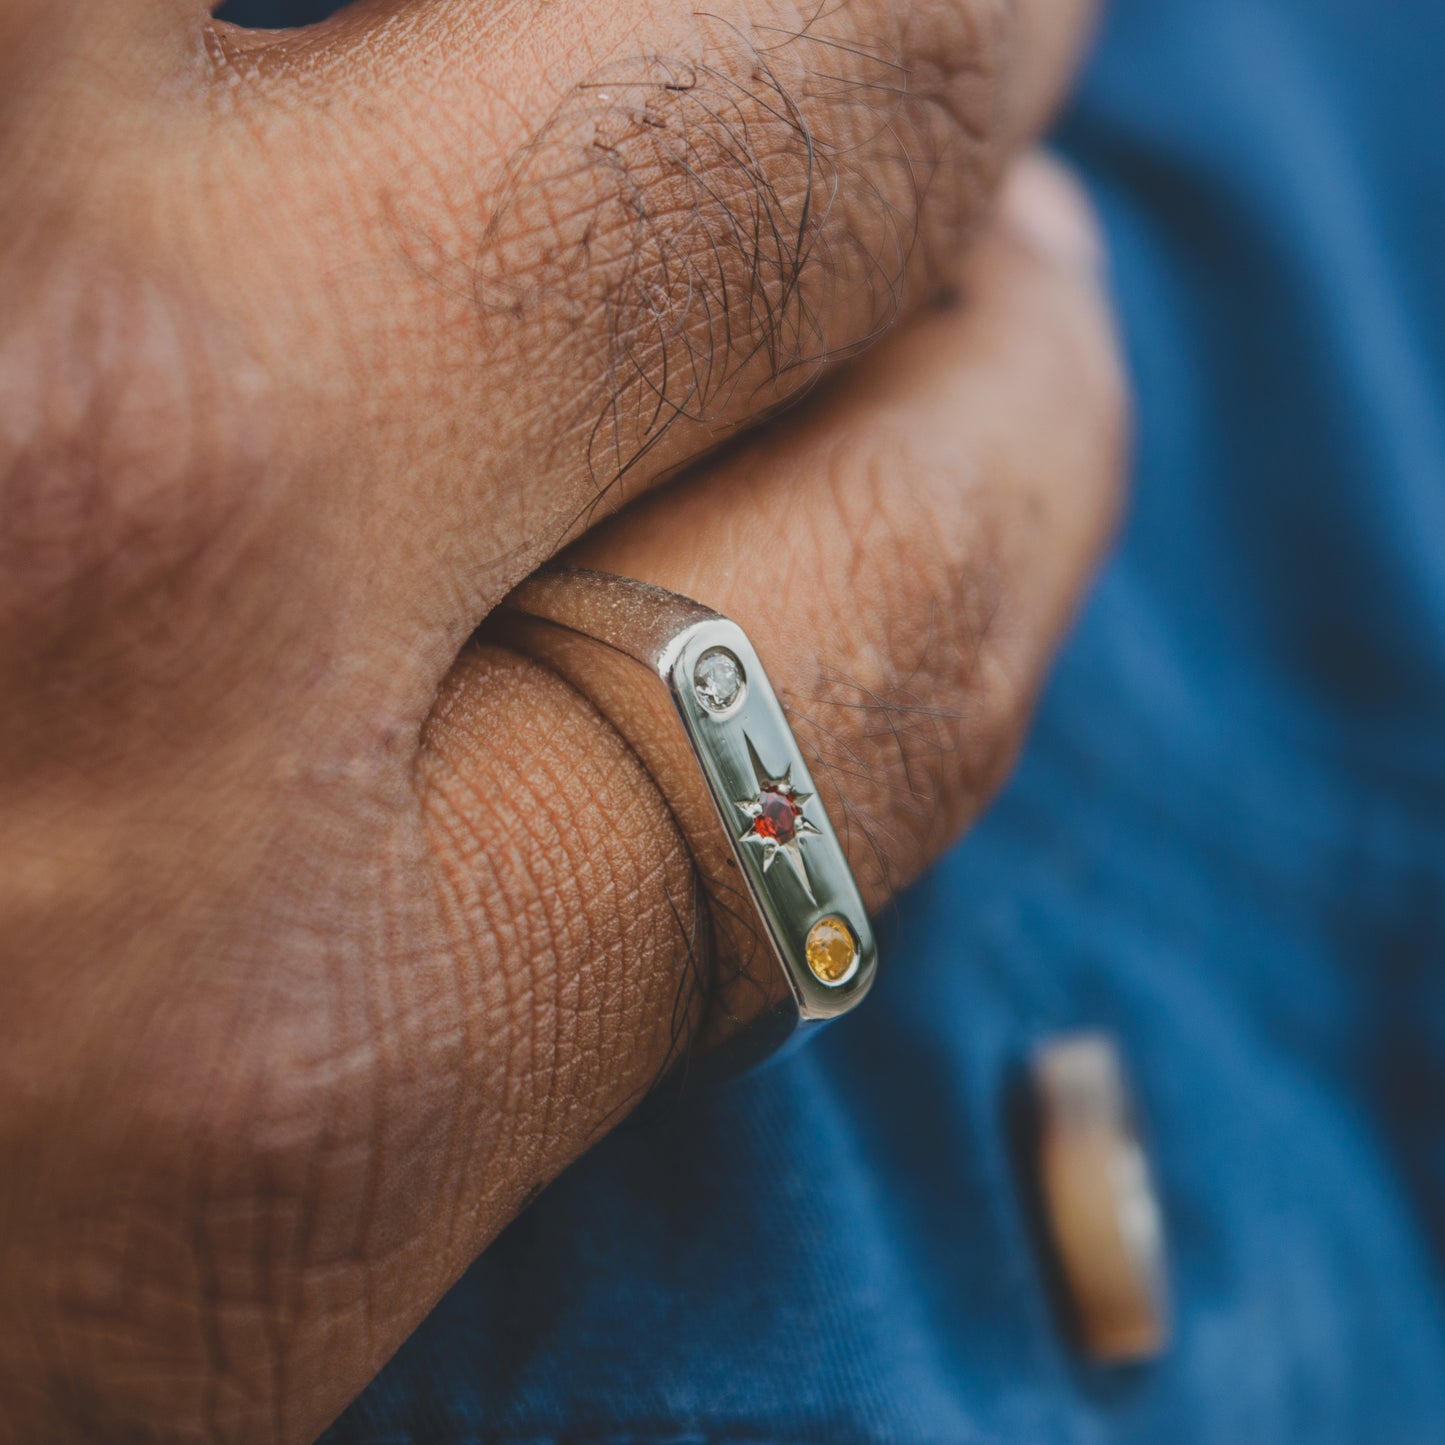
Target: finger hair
x=708, y=212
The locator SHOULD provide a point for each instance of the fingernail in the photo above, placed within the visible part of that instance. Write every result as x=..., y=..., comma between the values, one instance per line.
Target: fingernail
x=1047, y=208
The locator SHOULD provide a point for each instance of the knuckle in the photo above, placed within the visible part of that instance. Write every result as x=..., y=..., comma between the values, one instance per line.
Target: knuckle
x=1084, y=375
x=181, y=1257
x=957, y=57
x=916, y=713
x=731, y=216
x=131, y=439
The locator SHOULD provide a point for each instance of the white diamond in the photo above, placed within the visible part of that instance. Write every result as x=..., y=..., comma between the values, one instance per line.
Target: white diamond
x=718, y=679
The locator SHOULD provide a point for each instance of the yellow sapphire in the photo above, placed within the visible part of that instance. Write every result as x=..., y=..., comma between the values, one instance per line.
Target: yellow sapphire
x=832, y=950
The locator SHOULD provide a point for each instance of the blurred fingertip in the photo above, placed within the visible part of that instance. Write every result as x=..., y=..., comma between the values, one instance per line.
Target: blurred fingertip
x=1044, y=205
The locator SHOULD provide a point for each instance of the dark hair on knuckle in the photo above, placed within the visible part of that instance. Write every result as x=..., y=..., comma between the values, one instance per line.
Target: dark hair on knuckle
x=700, y=215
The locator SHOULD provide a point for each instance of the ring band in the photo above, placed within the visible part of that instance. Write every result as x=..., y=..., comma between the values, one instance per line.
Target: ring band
x=685, y=688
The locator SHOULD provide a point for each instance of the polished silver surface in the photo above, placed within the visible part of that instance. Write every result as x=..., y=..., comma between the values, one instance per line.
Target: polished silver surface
x=688, y=691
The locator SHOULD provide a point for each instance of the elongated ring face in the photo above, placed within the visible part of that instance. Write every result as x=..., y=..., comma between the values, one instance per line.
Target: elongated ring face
x=761, y=788
x=686, y=688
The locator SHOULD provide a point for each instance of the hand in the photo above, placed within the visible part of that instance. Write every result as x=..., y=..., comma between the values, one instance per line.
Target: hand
x=328, y=936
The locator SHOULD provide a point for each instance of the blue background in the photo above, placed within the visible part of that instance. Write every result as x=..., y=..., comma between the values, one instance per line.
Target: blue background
x=1226, y=844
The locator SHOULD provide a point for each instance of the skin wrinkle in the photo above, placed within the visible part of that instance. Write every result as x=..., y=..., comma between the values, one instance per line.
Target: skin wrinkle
x=579, y=822
x=259, y=1107
x=386, y=1067
x=262, y=1198
x=484, y=933
x=469, y=973
x=95, y=509
x=694, y=984
x=280, y=1322
x=711, y=228
x=546, y=834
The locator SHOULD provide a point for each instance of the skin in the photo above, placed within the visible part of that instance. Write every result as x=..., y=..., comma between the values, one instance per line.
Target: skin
x=332, y=930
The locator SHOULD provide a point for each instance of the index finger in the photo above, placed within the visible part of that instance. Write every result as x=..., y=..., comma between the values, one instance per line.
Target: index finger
x=575, y=245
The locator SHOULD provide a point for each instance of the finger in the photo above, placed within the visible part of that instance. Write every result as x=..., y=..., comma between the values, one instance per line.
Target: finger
x=565, y=248
x=79, y=55
x=906, y=554
x=1052, y=52
x=482, y=997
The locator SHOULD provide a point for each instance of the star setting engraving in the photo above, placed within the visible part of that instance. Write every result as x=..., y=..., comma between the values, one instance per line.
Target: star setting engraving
x=778, y=826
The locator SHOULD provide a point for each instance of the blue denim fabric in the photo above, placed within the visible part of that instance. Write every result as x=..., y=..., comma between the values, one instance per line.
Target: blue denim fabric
x=1226, y=844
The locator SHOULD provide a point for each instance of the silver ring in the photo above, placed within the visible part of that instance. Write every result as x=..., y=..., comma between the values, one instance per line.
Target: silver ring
x=686, y=689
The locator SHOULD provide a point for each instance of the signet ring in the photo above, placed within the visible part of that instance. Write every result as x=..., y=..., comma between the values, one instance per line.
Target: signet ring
x=687, y=691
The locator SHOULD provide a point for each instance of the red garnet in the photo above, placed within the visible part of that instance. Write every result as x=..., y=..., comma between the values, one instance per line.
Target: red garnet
x=777, y=816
